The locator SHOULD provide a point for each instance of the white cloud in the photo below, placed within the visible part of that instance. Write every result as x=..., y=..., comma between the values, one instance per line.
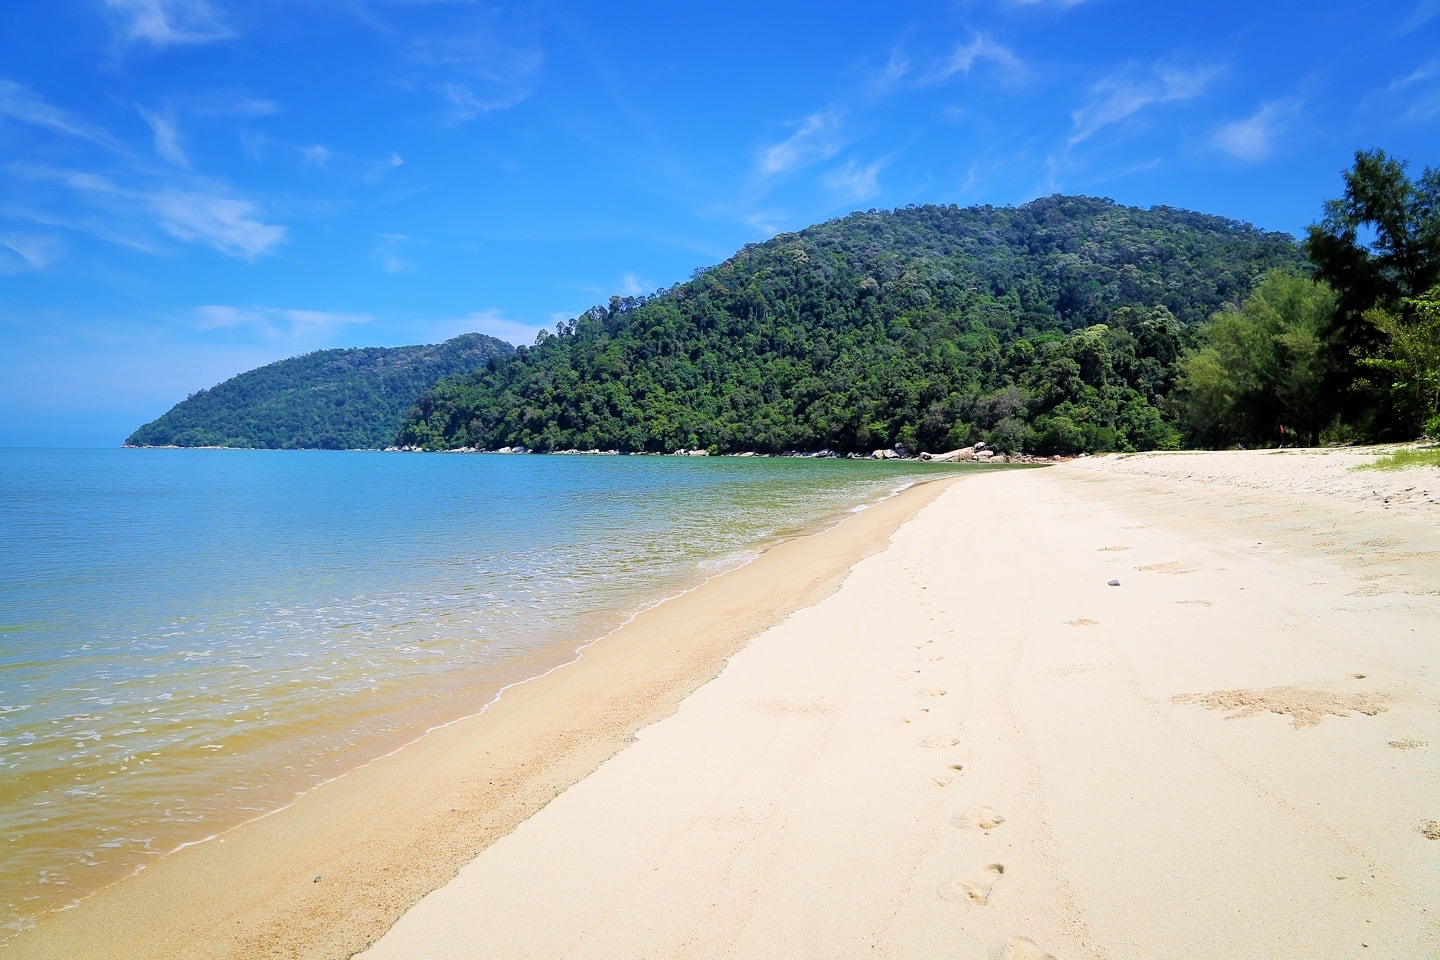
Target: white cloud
x=980, y=48
x=854, y=182
x=276, y=322
x=27, y=252
x=1121, y=96
x=164, y=23
x=1252, y=138
x=19, y=103
x=167, y=137
x=226, y=223
x=816, y=138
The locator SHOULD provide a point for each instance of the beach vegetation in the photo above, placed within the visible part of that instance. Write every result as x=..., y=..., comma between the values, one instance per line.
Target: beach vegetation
x=1407, y=362
x=1378, y=247
x=1053, y=327
x=1257, y=372
x=351, y=399
x=1406, y=458
x=1062, y=326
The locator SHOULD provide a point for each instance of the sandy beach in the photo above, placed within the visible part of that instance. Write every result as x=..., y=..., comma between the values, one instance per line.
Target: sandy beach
x=1161, y=705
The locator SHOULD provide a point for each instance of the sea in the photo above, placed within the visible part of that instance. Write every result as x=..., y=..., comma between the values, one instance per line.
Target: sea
x=189, y=639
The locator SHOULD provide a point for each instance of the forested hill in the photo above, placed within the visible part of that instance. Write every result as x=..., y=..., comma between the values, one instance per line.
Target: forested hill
x=1052, y=327
x=330, y=399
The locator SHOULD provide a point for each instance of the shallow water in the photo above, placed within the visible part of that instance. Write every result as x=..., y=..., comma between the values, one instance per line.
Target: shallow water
x=188, y=638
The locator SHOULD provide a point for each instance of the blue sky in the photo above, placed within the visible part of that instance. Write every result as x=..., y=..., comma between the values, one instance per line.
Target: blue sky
x=192, y=188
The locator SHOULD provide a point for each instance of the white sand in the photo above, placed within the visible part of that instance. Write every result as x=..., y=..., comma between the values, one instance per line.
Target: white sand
x=979, y=748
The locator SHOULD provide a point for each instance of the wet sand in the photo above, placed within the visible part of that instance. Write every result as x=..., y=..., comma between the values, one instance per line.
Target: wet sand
x=326, y=876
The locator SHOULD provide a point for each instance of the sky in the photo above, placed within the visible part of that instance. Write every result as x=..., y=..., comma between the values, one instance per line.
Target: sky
x=193, y=188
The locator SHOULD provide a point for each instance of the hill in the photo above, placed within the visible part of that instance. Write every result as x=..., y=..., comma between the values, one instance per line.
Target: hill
x=1051, y=327
x=329, y=399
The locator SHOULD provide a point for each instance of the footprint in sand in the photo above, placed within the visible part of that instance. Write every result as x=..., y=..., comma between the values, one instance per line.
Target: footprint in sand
x=979, y=818
x=939, y=740
x=1408, y=744
x=1430, y=830
x=947, y=776
x=1114, y=549
x=932, y=692
x=1082, y=622
x=914, y=715
x=1023, y=948
x=1195, y=603
x=975, y=888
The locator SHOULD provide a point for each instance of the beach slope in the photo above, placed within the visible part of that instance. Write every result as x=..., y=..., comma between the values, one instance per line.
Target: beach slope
x=1167, y=706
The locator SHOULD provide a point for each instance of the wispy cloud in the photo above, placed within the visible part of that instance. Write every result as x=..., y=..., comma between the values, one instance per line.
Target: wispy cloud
x=166, y=23
x=854, y=182
x=27, y=252
x=387, y=253
x=981, y=48
x=632, y=286
x=1252, y=138
x=492, y=323
x=466, y=104
x=89, y=224
x=476, y=71
x=1061, y=4
x=315, y=155
x=20, y=103
x=816, y=138
x=766, y=222
x=229, y=224
x=378, y=170
x=167, y=137
x=887, y=78
x=230, y=104
x=119, y=187
x=1413, y=98
x=1423, y=13
x=1120, y=96
x=276, y=322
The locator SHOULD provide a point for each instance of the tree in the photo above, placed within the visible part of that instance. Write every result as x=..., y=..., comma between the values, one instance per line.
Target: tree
x=934, y=327
x=1378, y=246
x=1410, y=360
x=1258, y=373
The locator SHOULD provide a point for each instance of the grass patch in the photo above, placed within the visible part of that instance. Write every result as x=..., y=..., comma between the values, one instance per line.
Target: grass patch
x=1403, y=459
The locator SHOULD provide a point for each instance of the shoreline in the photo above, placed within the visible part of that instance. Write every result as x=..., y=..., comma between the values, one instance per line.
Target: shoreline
x=178, y=904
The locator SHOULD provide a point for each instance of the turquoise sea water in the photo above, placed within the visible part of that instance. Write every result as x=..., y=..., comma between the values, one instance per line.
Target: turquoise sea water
x=189, y=638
